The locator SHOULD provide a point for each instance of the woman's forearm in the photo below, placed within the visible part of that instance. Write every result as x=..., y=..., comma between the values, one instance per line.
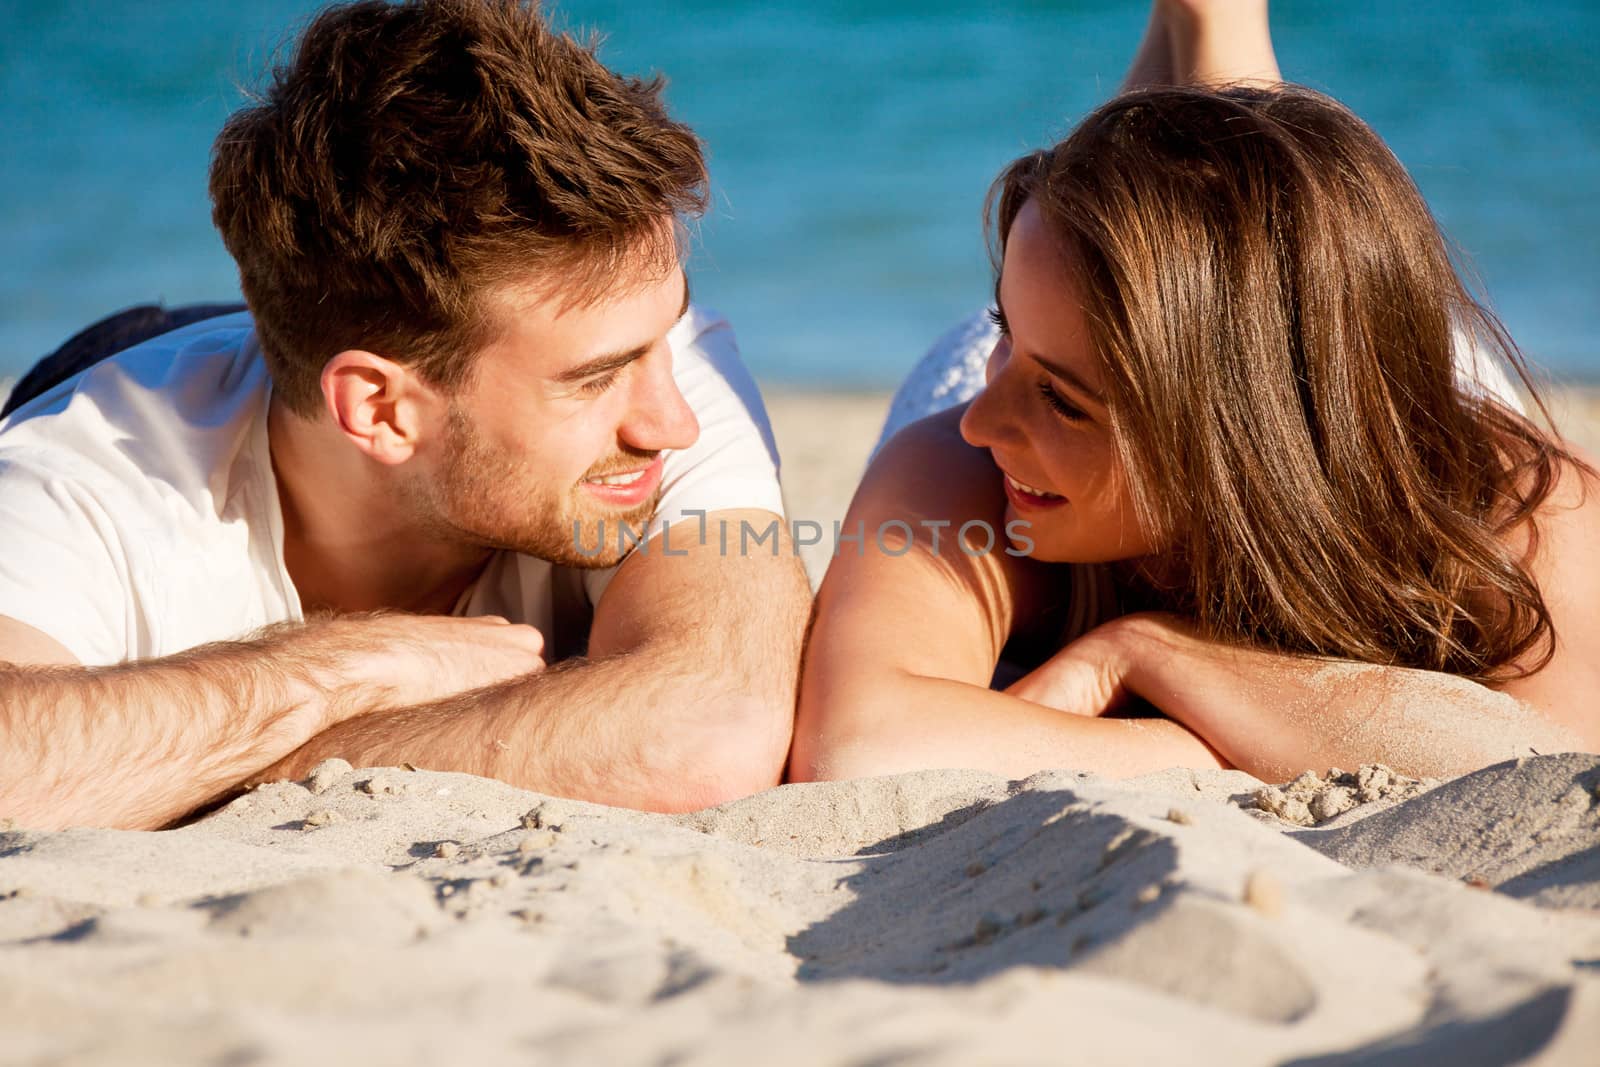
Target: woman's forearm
x=903, y=722
x=1275, y=715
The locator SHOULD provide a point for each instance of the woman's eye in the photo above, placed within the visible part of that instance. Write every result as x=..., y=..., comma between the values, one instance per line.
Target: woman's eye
x=1066, y=410
x=998, y=317
x=595, y=386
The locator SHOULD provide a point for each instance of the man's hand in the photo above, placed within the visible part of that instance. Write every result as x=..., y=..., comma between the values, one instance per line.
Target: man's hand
x=139, y=744
x=404, y=660
x=685, y=700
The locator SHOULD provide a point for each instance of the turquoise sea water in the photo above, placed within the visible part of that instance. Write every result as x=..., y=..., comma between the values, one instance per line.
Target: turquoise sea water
x=850, y=144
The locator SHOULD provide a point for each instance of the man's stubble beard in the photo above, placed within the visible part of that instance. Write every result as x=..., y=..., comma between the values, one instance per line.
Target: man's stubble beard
x=483, y=498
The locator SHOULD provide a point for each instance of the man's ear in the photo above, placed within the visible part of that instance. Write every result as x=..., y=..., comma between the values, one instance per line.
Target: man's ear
x=380, y=406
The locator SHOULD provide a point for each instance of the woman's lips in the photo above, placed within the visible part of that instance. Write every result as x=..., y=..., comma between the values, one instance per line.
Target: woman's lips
x=1023, y=495
x=627, y=488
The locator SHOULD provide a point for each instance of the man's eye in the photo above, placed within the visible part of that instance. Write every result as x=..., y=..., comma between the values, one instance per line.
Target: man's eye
x=595, y=386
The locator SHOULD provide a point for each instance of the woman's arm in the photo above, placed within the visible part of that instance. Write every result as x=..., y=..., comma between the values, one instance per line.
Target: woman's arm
x=1275, y=715
x=906, y=637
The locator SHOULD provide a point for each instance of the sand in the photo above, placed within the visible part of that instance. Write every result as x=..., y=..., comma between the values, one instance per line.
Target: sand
x=945, y=917
x=940, y=917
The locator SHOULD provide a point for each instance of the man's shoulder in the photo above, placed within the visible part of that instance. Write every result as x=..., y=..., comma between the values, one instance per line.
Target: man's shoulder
x=703, y=345
x=154, y=404
x=711, y=374
x=695, y=324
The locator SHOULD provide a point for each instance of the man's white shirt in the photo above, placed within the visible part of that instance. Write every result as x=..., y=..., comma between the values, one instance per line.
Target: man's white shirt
x=139, y=512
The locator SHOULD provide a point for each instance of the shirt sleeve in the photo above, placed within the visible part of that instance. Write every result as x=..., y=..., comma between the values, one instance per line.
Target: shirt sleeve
x=62, y=568
x=1479, y=372
x=734, y=462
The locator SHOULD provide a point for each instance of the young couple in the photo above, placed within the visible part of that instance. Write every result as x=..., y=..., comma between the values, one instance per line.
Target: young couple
x=1280, y=512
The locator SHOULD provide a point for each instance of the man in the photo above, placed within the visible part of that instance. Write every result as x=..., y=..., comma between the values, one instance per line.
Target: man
x=470, y=362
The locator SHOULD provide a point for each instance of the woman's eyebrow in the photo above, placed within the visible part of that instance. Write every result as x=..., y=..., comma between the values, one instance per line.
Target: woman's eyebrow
x=1057, y=370
x=1072, y=379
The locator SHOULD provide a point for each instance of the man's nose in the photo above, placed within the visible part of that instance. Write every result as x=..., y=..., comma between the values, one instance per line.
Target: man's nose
x=659, y=418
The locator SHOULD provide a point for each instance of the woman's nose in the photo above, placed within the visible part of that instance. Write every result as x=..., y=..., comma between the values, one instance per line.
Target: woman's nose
x=988, y=418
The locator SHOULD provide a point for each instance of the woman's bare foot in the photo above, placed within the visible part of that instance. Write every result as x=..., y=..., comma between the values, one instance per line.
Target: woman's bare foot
x=1218, y=42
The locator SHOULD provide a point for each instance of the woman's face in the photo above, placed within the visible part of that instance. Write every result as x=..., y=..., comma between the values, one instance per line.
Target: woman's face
x=1042, y=417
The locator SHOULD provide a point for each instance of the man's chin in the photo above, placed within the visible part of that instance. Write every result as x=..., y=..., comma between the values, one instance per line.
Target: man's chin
x=600, y=541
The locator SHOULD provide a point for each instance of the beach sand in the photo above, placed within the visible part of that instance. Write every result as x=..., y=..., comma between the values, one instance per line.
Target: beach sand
x=945, y=917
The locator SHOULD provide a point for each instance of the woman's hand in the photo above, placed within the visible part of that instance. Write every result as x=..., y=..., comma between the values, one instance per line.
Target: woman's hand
x=1089, y=676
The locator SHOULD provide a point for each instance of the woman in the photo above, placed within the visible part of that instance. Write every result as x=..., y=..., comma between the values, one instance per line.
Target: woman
x=1224, y=471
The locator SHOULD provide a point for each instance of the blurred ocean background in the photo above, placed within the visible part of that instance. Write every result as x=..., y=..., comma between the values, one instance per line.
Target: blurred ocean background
x=850, y=143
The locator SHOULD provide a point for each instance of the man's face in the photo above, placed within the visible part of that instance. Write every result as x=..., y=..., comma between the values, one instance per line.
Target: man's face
x=563, y=422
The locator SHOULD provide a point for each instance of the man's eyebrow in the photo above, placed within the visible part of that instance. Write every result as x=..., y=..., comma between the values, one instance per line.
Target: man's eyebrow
x=614, y=360
x=601, y=364
x=1057, y=370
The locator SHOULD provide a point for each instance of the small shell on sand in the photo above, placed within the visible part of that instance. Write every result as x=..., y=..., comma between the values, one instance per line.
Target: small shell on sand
x=326, y=774
x=1264, y=893
x=1179, y=816
x=320, y=818
x=446, y=850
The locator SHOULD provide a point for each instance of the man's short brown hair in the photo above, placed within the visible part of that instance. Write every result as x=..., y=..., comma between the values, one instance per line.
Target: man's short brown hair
x=411, y=155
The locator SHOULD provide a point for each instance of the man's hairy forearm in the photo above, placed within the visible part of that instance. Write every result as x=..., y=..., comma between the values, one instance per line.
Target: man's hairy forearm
x=687, y=701
x=643, y=729
x=140, y=744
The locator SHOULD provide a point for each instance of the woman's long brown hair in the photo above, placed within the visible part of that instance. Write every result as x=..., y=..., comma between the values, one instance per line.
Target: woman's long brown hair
x=1276, y=312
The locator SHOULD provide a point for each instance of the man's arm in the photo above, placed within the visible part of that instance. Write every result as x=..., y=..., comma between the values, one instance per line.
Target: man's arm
x=685, y=700
x=138, y=745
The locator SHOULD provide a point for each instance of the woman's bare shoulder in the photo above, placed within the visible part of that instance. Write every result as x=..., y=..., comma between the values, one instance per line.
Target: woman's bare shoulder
x=928, y=468
x=1565, y=564
x=931, y=516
